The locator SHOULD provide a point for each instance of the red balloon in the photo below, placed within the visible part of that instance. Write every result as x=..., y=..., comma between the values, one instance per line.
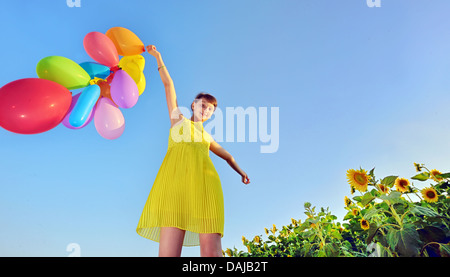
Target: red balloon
x=33, y=105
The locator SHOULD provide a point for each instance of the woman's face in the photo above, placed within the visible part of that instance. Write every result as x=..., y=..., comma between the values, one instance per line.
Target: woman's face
x=202, y=109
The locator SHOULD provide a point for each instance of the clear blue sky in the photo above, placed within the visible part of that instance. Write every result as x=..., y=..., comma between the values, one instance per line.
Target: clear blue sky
x=355, y=86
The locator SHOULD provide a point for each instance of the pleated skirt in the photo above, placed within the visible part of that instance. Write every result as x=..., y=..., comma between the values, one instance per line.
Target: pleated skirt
x=186, y=194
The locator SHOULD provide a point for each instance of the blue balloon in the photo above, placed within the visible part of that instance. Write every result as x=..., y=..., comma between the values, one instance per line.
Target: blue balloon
x=96, y=70
x=84, y=106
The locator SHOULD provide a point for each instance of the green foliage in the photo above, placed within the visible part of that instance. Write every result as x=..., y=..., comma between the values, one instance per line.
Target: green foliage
x=379, y=222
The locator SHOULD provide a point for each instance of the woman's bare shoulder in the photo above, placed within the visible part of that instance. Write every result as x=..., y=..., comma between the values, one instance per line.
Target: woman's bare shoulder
x=176, y=121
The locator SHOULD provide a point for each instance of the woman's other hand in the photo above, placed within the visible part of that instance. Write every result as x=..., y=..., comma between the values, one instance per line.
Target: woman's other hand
x=245, y=178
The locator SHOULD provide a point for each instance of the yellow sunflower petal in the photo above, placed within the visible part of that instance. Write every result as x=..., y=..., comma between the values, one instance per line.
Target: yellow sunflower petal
x=358, y=179
x=430, y=195
x=364, y=224
x=402, y=184
x=435, y=172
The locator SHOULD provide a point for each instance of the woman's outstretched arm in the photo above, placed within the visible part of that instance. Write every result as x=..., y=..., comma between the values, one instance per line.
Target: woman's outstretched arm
x=171, y=95
x=221, y=152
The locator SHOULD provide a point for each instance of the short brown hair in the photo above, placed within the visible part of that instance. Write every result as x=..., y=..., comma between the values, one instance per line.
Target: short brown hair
x=208, y=97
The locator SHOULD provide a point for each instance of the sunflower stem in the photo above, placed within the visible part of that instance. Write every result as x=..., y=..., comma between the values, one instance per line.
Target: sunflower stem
x=418, y=196
x=388, y=224
x=408, y=197
x=397, y=218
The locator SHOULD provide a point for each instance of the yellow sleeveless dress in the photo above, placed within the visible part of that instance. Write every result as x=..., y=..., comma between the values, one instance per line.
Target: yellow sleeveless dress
x=187, y=191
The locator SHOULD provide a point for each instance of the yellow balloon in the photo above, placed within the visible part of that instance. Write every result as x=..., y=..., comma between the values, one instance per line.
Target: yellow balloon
x=134, y=66
x=138, y=59
x=141, y=85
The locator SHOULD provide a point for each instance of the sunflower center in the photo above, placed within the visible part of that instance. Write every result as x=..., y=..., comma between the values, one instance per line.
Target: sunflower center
x=403, y=183
x=360, y=178
x=431, y=194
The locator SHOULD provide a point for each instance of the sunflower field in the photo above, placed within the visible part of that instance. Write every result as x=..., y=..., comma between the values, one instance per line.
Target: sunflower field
x=390, y=217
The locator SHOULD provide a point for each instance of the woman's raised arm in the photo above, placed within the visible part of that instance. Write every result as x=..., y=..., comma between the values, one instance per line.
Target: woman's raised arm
x=171, y=95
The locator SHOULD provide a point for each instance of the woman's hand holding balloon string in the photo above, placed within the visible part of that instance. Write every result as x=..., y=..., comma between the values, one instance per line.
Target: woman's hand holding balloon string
x=151, y=49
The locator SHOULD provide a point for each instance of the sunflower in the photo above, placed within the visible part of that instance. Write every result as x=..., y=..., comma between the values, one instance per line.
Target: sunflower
x=274, y=229
x=347, y=201
x=355, y=211
x=430, y=195
x=402, y=184
x=418, y=167
x=266, y=230
x=435, y=172
x=244, y=240
x=365, y=224
x=358, y=179
x=383, y=188
x=257, y=239
x=294, y=222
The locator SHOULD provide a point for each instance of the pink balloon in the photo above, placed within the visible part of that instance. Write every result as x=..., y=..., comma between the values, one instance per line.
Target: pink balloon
x=101, y=48
x=66, y=122
x=108, y=119
x=124, y=91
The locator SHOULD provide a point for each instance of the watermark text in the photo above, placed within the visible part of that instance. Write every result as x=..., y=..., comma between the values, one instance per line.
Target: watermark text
x=259, y=128
x=73, y=3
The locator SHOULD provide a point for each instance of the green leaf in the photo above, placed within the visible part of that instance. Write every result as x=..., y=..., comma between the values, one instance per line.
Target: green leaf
x=331, y=250
x=421, y=176
x=372, y=232
x=405, y=241
x=382, y=251
x=371, y=172
x=445, y=250
x=431, y=234
x=370, y=212
x=335, y=234
x=393, y=197
x=312, y=220
x=367, y=198
x=389, y=180
x=357, y=198
x=301, y=228
x=443, y=175
x=321, y=253
x=444, y=185
x=419, y=210
x=392, y=238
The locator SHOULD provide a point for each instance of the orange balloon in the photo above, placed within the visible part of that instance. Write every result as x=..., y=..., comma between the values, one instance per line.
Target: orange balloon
x=126, y=42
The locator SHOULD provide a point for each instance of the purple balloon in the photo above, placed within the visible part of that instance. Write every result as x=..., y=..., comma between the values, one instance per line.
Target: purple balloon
x=109, y=121
x=66, y=122
x=124, y=91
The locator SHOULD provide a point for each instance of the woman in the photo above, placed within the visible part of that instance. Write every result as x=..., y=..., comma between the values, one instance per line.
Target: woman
x=185, y=205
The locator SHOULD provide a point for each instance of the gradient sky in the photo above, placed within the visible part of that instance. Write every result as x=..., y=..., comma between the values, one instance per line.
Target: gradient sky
x=355, y=87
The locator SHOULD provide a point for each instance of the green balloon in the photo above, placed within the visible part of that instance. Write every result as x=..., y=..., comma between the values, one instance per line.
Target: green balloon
x=63, y=71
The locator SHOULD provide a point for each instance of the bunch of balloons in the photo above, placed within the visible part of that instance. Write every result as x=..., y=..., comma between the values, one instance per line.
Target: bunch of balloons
x=36, y=105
